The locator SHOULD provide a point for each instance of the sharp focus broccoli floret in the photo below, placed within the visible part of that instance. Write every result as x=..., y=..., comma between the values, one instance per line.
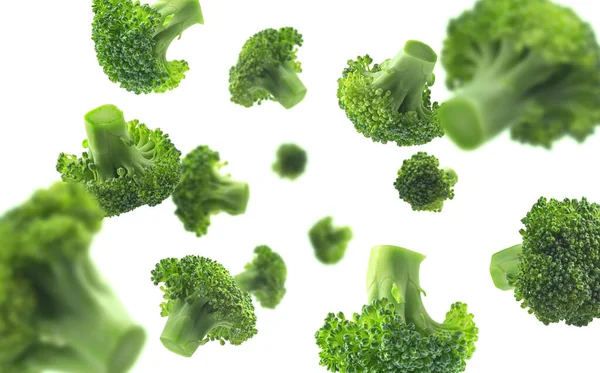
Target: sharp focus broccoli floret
x=329, y=242
x=394, y=333
x=290, y=162
x=264, y=277
x=203, y=304
x=555, y=271
x=132, y=39
x=391, y=101
x=56, y=311
x=127, y=165
x=267, y=69
x=203, y=191
x=423, y=185
x=528, y=65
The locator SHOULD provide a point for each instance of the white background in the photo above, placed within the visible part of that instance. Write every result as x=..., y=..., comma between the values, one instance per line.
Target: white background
x=50, y=79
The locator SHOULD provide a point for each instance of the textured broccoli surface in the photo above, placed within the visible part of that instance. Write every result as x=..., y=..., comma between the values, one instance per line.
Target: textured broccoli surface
x=264, y=277
x=555, y=271
x=530, y=66
x=203, y=303
x=422, y=184
x=394, y=332
x=267, y=69
x=290, y=161
x=203, y=191
x=391, y=101
x=329, y=242
x=132, y=39
x=56, y=311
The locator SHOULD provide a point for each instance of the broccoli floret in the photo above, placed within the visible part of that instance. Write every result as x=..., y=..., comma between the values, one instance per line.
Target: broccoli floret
x=394, y=333
x=203, y=191
x=267, y=69
x=329, y=242
x=391, y=101
x=264, y=277
x=290, y=162
x=131, y=41
x=532, y=66
x=203, y=304
x=127, y=165
x=555, y=271
x=423, y=185
x=56, y=311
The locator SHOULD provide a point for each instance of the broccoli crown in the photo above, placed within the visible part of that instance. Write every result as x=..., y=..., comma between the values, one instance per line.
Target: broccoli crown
x=290, y=161
x=131, y=41
x=203, y=303
x=423, y=185
x=529, y=65
x=267, y=69
x=203, y=191
x=264, y=277
x=329, y=242
x=127, y=165
x=394, y=333
x=391, y=101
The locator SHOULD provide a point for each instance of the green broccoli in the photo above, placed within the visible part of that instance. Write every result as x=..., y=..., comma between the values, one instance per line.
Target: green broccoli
x=127, y=165
x=423, y=185
x=290, y=162
x=132, y=39
x=391, y=101
x=267, y=69
x=555, y=271
x=203, y=191
x=394, y=333
x=56, y=311
x=329, y=242
x=203, y=304
x=264, y=277
x=529, y=65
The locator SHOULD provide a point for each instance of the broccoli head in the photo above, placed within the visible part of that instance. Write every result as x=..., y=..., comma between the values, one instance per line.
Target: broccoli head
x=391, y=101
x=56, y=311
x=264, y=277
x=555, y=271
x=267, y=69
x=394, y=332
x=423, y=185
x=530, y=66
x=329, y=242
x=127, y=165
x=203, y=191
x=203, y=304
x=290, y=162
x=132, y=39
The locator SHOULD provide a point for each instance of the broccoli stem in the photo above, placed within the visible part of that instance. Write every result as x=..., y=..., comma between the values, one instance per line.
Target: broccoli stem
x=61, y=359
x=177, y=16
x=247, y=280
x=111, y=145
x=504, y=265
x=230, y=196
x=451, y=175
x=283, y=83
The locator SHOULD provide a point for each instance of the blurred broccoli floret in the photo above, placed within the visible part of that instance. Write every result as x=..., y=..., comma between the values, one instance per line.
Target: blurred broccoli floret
x=132, y=39
x=423, y=185
x=127, y=165
x=329, y=242
x=290, y=162
x=267, y=69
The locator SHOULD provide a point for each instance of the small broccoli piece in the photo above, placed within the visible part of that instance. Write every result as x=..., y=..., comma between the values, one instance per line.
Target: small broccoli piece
x=132, y=39
x=267, y=69
x=329, y=242
x=203, y=303
x=394, y=332
x=127, y=165
x=56, y=311
x=203, y=191
x=264, y=277
x=290, y=162
x=555, y=271
x=529, y=66
x=423, y=185
x=391, y=101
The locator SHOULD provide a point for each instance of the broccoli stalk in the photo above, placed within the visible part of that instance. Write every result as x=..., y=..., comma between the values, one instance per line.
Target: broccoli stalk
x=283, y=83
x=505, y=266
x=176, y=17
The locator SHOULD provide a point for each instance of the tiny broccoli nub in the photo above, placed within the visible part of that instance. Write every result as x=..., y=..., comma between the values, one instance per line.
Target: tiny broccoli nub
x=290, y=161
x=329, y=242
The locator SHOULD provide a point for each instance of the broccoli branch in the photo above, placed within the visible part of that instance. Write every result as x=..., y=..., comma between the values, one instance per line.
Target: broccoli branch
x=283, y=83
x=504, y=265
